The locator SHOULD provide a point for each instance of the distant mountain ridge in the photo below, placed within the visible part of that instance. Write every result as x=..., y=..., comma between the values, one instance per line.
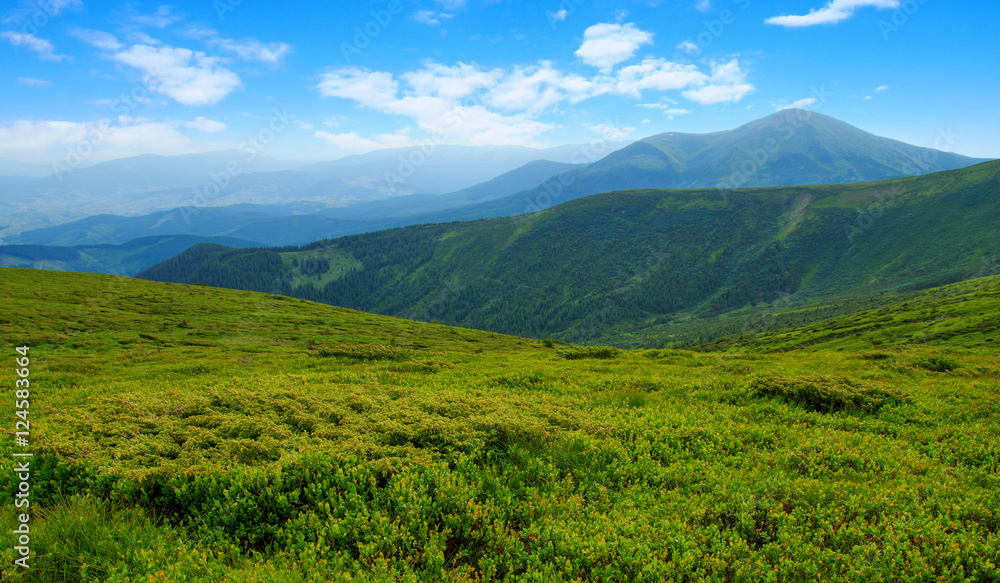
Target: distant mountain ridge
x=641, y=266
x=790, y=147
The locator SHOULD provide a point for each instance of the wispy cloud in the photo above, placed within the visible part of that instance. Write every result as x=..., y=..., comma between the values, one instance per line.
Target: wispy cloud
x=44, y=48
x=800, y=104
x=834, y=12
x=29, y=82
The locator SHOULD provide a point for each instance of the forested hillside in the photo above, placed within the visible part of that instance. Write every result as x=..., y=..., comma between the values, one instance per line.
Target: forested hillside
x=645, y=266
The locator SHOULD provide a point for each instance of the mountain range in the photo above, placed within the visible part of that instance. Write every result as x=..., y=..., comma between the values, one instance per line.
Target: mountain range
x=150, y=183
x=294, y=206
x=643, y=266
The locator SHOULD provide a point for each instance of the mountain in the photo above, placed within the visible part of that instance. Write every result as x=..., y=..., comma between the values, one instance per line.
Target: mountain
x=525, y=177
x=126, y=259
x=642, y=267
x=230, y=221
x=790, y=147
x=285, y=224
x=149, y=183
x=10, y=167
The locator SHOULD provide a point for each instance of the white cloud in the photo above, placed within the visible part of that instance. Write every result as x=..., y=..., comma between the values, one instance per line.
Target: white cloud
x=834, y=12
x=611, y=132
x=186, y=76
x=868, y=97
x=703, y=5
x=248, y=48
x=44, y=48
x=162, y=18
x=51, y=8
x=728, y=83
x=203, y=124
x=881, y=88
x=252, y=49
x=55, y=140
x=668, y=108
x=538, y=88
x=29, y=82
x=658, y=74
x=466, y=103
x=800, y=104
x=451, y=82
x=436, y=107
x=606, y=44
x=98, y=38
x=367, y=87
x=688, y=47
x=352, y=142
x=560, y=15
x=431, y=17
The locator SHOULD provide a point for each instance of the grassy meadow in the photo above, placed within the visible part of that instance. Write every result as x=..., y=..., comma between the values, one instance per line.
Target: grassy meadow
x=188, y=433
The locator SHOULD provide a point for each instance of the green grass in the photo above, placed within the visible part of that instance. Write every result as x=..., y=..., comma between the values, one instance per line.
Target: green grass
x=186, y=433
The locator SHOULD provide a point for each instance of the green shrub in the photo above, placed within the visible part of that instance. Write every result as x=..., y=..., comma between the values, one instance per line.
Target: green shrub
x=826, y=394
x=591, y=352
x=361, y=351
x=937, y=364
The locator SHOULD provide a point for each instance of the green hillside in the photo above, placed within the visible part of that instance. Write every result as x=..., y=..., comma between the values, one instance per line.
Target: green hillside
x=646, y=268
x=185, y=433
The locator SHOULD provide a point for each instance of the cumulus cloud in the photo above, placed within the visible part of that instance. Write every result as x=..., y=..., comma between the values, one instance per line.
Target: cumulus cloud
x=727, y=83
x=560, y=15
x=203, y=124
x=881, y=88
x=835, y=11
x=188, y=77
x=607, y=44
x=658, y=74
x=471, y=104
x=688, y=47
x=435, y=102
x=42, y=47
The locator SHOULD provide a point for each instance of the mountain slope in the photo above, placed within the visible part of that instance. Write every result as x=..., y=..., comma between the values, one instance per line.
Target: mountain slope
x=184, y=433
x=125, y=259
x=636, y=267
x=791, y=147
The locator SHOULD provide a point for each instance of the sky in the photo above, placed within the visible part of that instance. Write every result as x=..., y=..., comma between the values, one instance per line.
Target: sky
x=86, y=81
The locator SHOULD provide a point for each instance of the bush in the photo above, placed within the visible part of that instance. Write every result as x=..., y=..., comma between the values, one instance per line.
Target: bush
x=360, y=351
x=937, y=364
x=826, y=394
x=591, y=352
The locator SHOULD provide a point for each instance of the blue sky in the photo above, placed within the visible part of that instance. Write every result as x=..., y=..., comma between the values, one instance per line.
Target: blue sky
x=98, y=80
